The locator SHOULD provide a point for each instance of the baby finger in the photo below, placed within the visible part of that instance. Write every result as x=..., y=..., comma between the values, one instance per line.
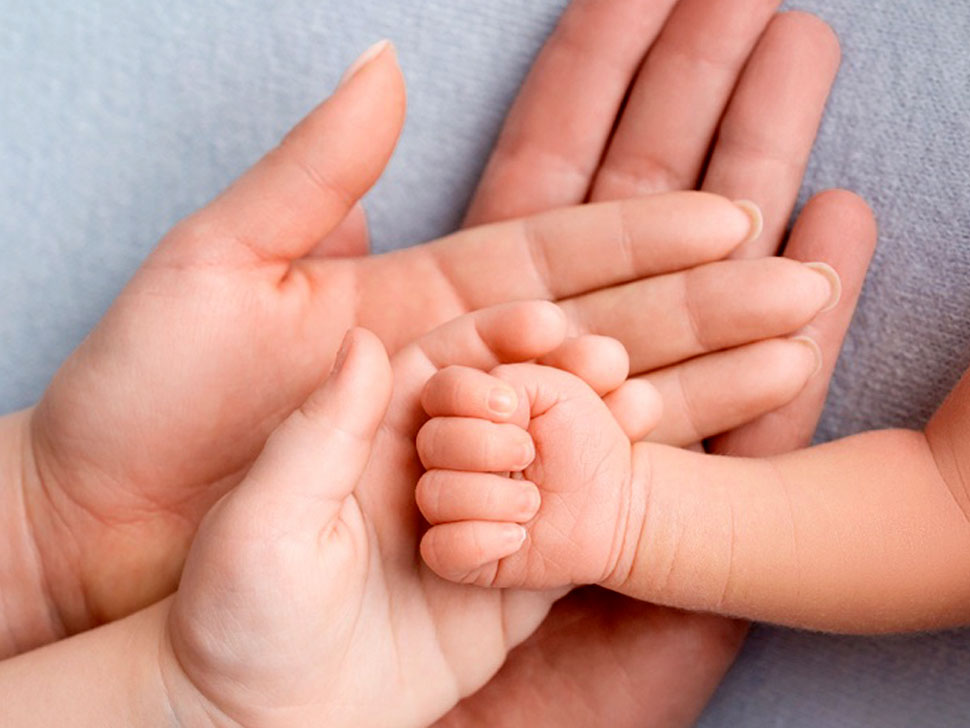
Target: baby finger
x=466, y=443
x=468, y=552
x=458, y=391
x=637, y=407
x=453, y=495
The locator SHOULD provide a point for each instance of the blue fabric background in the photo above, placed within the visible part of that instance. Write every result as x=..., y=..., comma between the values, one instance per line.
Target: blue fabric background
x=117, y=118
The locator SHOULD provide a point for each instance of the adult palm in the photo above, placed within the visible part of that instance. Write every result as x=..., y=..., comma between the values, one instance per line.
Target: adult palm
x=635, y=98
x=237, y=315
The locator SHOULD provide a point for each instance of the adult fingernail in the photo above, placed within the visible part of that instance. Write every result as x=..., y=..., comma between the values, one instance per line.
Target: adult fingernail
x=502, y=401
x=816, y=350
x=754, y=213
x=366, y=57
x=835, y=283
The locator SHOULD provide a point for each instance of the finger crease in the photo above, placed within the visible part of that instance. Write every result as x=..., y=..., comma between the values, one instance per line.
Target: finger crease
x=538, y=258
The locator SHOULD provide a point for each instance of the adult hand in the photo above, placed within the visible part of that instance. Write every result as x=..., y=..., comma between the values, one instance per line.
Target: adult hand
x=640, y=97
x=238, y=313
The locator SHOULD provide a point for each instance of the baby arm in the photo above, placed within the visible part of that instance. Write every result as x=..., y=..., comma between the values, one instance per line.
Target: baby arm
x=860, y=535
x=867, y=534
x=110, y=676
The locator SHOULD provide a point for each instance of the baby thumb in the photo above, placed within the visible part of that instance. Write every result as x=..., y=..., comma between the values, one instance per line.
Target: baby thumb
x=318, y=454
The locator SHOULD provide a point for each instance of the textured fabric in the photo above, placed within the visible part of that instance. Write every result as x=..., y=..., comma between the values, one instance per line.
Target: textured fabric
x=117, y=118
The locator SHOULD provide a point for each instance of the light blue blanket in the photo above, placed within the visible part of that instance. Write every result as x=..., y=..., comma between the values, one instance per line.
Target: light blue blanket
x=118, y=117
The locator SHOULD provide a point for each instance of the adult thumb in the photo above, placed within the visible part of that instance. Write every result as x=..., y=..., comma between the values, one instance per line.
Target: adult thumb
x=302, y=190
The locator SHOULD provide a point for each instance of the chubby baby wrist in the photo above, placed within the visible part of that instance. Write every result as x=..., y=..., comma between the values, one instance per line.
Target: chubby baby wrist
x=630, y=525
x=184, y=703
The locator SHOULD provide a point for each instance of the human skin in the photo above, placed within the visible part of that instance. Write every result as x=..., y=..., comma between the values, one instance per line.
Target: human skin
x=749, y=86
x=583, y=472
x=863, y=535
x=304, y=600
x=237, y=314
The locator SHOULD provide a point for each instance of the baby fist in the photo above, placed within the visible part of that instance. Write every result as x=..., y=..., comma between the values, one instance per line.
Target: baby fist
x=528, y=480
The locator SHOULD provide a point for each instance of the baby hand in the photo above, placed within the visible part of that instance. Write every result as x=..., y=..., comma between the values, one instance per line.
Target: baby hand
x=304, y=600
x=557, y=519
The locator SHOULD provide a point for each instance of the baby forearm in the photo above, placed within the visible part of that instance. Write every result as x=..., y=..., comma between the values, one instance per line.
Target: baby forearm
x=110, y=676
x=860, y=535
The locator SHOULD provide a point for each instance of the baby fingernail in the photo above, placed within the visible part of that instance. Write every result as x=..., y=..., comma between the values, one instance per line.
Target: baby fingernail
x=502, y=401
x=754, y=213
x=529, y=502
x=835, y=283
x=816, y=350
x=513, y=537
x=528, y=454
